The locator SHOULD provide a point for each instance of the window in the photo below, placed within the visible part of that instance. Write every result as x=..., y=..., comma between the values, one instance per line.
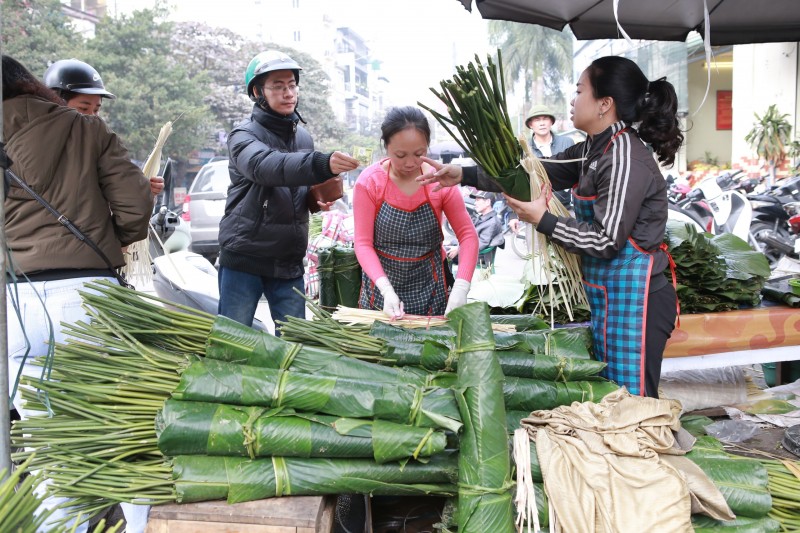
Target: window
x=295, y=3
x=296, y=36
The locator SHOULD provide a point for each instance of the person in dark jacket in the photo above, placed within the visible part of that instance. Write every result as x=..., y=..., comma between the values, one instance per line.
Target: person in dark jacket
x=81, y=168
x=621, y=211
x=81, y=87
x=263, y=234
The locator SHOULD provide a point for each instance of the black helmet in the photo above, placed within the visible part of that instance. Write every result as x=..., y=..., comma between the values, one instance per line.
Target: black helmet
x=75, y=76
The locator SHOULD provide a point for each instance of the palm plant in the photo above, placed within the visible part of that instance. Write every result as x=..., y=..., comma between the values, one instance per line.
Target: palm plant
x=531, y=52
x=771, y=137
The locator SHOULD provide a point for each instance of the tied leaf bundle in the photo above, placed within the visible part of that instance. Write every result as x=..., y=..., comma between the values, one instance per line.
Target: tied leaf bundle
x=199, y=428
x=476, y=104
x=484, y=465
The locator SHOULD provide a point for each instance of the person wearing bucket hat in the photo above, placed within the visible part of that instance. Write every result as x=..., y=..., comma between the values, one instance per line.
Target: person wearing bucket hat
x=544, y=142
x=263, y=234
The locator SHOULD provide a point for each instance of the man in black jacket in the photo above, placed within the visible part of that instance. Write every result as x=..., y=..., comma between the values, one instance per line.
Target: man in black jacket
x=263, y=234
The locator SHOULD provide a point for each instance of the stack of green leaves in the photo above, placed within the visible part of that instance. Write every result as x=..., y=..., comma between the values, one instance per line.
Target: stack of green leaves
x=236, y=479
x=475, y=100
x=200, y=428
x=100, y=444
x=484, y=465
x=719, y=273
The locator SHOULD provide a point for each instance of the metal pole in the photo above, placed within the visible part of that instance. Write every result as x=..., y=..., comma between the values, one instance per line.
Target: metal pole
x=5, y=415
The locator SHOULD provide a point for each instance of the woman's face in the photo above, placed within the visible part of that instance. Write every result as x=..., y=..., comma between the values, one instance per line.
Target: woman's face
x=405, y=149
x=585, y=107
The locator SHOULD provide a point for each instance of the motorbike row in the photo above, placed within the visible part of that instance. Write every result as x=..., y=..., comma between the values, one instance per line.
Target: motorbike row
x=768, y=219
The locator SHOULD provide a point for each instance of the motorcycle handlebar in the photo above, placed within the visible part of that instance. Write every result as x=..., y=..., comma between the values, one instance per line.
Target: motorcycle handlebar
x=162, y=215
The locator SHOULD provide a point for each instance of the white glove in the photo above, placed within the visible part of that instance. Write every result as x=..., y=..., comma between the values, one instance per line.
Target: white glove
x=392, y=306
x=458, y=295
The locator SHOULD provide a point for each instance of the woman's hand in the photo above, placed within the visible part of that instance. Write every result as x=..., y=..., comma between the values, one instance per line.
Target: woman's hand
x=156, y=185
x=531, y=212
x=444, y=175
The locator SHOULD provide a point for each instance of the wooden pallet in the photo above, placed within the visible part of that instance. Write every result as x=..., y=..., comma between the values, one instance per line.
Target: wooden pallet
x=296, y=514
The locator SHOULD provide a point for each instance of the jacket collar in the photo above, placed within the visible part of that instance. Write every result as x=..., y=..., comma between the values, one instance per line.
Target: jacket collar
x=283, y=126
x=602, y=138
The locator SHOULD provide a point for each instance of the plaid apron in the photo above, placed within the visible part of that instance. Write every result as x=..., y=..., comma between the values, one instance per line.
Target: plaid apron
x=409, y=247
x=617, y=290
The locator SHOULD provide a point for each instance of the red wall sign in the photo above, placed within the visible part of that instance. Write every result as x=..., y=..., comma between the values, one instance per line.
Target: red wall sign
x=724, y=110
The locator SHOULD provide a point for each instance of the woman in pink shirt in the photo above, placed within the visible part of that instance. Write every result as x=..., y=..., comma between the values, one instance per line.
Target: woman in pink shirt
x=398, y=226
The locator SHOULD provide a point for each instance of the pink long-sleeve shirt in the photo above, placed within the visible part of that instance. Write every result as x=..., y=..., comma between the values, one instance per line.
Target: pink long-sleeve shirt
x=367, y=195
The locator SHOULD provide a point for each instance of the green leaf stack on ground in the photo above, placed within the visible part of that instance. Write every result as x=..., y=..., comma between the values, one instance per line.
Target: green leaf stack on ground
x=717, y=273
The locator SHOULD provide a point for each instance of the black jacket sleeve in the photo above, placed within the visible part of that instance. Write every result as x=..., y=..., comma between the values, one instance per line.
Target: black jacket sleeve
x=267, y=166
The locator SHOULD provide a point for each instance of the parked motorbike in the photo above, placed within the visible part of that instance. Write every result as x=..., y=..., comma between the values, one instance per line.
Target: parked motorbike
x=772, y=214
x=179, y=275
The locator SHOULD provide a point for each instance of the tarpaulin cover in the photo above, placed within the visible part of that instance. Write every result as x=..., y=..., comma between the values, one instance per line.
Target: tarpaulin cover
x=201, y=478
x=484, y=465
x=220, y=382
x=200, y=428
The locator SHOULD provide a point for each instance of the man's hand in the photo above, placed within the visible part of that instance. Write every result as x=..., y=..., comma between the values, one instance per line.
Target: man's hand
x=452, y=252
x=444, y=175
x=341, y=162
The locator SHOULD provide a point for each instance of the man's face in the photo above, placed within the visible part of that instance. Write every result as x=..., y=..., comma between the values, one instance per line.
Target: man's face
x=280, y=91
x=88, y=104
x=483, y=205
x=540, y=125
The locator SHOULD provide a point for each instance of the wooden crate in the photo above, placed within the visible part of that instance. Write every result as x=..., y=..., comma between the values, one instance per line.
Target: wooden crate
x=296, y=514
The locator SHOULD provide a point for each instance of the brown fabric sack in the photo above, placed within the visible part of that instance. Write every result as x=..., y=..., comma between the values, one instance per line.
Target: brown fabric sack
x=327, y=191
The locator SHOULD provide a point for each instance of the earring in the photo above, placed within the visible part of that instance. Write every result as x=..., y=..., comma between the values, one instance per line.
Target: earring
x=602, y=115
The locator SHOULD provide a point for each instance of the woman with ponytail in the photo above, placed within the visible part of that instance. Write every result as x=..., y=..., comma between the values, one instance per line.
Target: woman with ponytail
x=621, y=210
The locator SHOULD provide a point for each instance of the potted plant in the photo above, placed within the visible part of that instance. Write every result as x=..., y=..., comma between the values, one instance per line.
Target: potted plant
x=770, y=137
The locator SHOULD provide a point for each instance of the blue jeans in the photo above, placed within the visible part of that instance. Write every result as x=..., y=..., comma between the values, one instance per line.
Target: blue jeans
x=239, y=293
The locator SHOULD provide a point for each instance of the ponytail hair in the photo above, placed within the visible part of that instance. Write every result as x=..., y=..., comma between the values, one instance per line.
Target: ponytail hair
x=654, y=105
x=659, y=120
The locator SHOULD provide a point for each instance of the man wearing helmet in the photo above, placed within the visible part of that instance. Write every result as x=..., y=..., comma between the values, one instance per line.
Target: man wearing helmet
x=81, y=87
x=263, y=234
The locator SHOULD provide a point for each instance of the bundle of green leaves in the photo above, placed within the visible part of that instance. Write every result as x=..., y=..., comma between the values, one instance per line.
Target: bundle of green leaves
x=714, y=273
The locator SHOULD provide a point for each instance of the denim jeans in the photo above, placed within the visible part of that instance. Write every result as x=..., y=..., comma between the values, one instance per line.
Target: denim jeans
x=239, y=293
x=40, y=304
